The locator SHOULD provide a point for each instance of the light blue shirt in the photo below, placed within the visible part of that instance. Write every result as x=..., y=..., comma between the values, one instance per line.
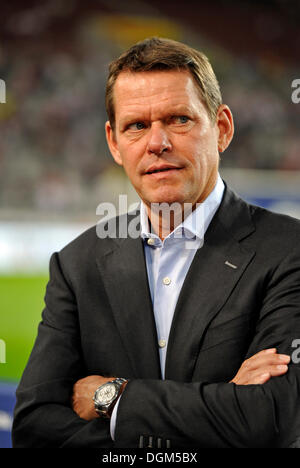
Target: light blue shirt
x=168, y=262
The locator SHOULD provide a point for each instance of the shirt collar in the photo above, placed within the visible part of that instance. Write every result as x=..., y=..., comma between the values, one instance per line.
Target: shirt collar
x=196, y=224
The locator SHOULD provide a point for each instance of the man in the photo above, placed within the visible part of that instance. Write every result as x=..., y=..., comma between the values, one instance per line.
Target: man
x=163, y=340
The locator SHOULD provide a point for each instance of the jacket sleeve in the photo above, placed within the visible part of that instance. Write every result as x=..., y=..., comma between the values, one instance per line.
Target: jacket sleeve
x=43, y=415
x=202, y=414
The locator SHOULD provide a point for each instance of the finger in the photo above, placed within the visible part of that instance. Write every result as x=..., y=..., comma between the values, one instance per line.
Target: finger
x=263, y=377
x=268, y=359
x=284, y=357
x=264, y=354
x=271, y=361
x=260, y=363
x=261, y=355
x=272, y=371
x=278, y=370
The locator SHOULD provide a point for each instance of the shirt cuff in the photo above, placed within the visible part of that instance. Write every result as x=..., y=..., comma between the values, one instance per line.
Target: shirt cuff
x=113, y=419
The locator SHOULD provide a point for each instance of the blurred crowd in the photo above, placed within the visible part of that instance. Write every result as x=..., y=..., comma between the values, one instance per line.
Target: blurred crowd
x=52, y=147
x=53, y=153
x=267, y=122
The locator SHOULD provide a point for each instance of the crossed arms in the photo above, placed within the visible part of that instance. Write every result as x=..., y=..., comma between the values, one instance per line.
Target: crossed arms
x=258, y=369
x=252, y=410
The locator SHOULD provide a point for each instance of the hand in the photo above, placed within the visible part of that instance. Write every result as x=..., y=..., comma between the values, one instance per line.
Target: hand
x=83, y=392
x=261, y=367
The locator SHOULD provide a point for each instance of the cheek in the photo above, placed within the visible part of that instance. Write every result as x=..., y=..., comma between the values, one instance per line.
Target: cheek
x=131, y=154
x=202, y=154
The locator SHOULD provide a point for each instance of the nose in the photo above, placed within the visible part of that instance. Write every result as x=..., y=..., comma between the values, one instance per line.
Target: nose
x=158, y=139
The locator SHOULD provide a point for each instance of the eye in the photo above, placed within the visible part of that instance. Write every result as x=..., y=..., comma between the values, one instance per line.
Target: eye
x=180, y=119
x=136, y=126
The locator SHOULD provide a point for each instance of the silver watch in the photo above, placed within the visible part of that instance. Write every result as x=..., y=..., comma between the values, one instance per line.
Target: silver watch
x=106, y=395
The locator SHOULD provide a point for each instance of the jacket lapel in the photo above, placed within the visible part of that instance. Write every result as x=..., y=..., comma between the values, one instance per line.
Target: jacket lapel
x=208, y=284
x=123, y=271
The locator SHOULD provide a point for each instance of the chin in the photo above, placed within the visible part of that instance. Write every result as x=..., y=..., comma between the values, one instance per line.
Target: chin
x=167, y=199
x=166, y=196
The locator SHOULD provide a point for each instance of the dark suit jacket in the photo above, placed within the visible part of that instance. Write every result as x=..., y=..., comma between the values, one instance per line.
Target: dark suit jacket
x=98, y=319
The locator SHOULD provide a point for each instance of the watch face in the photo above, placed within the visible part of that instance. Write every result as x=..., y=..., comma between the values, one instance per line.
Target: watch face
x=106, y=393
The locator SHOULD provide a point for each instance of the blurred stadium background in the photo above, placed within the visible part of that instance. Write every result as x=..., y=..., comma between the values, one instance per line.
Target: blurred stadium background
x=54, y=164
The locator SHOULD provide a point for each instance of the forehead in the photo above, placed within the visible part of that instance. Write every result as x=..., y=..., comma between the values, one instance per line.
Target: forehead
x=134, y=91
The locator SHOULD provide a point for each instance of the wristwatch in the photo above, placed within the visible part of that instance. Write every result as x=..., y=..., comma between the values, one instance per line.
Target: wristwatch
x=106, y=396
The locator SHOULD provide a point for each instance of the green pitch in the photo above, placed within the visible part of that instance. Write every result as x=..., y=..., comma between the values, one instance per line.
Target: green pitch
x=21, y=304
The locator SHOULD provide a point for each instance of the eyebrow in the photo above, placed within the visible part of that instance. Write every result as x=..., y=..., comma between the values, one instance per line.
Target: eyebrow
x=140, y=117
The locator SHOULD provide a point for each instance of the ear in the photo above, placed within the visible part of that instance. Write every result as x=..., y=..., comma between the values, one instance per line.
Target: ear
x=112, y=143
x=224, y=122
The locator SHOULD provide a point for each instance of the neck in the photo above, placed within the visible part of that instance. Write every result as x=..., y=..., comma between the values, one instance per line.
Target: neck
x=165, y=217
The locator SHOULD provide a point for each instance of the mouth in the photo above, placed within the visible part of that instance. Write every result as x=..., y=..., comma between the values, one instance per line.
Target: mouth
x=160, y=170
